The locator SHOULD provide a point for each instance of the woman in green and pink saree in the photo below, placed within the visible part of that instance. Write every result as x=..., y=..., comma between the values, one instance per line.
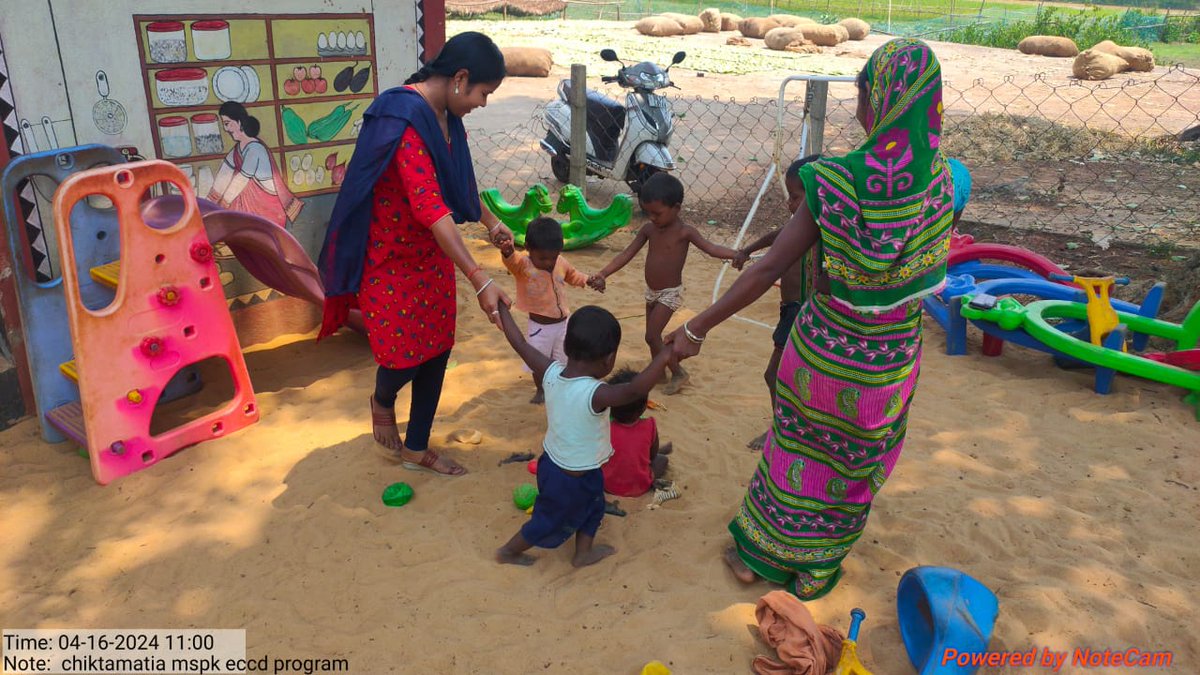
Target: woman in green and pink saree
x=846, y=380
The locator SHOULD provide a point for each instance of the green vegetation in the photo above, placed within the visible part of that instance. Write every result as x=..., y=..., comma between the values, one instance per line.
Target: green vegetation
x=1168, y=54
x=1086, y=29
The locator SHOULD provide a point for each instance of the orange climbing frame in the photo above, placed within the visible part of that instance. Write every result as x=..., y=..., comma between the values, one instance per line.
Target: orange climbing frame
x=169, y=312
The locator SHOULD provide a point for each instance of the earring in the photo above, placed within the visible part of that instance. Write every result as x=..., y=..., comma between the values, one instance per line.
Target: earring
x=456, y=90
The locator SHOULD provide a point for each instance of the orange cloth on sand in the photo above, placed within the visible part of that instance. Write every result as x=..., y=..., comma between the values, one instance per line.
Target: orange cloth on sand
x=804, y=648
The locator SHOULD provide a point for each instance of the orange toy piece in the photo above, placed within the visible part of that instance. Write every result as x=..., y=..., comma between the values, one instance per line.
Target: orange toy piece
x=169, y=312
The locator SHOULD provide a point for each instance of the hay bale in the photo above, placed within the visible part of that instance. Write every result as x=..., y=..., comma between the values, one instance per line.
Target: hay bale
x=782, y=36
x=843, y=32
x=789, y=20
x=691, y=24
x=804, y=47
x=1138, y=59
x=658, y=26
x=1094, y=65
x=729, y=21
x=1048, y=45
x=711, y=18
x=857, y=28
x=825, y=36
x=756, y=27
x=737, y=41
x=527, y=61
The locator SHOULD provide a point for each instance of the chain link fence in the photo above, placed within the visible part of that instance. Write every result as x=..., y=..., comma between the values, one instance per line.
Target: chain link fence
x=1097, y=165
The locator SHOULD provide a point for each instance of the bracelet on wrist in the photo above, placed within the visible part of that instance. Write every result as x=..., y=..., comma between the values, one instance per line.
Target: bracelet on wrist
x=692, y=337
x=483, y=287
x=473, y=271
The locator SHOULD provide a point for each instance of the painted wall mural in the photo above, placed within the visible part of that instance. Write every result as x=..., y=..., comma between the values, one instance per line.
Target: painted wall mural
x=261, y=110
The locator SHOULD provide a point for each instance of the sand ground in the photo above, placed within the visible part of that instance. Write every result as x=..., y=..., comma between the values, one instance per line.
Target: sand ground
x=1079, y=511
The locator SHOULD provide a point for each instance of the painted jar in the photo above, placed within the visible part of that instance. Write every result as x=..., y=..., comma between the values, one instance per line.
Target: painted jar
x=175, y=137
x=166, y=42
x=206, y=130
x=210, y=40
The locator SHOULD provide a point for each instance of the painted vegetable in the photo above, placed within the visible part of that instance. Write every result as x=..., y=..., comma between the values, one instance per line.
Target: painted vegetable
x=327, y=127
x=330, y=161
x=338, y=174
x=341, y=82
x=294, y=126
x=360, y=80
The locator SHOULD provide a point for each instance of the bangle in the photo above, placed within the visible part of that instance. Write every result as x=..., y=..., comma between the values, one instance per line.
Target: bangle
x=692, y=337
x=474, y=270
x=483, y=287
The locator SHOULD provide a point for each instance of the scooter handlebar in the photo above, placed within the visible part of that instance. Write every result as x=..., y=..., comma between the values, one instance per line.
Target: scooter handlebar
x=608, y=78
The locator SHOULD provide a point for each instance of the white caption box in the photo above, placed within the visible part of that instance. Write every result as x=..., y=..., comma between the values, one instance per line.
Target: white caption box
x=121, y=650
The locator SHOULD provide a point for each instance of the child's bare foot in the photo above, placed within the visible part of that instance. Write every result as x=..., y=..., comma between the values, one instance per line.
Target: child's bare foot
x=734, y=562
x=592, y=556
x=538, y=398
x=679, y=379
x=757, y=443
x=507, y=557
x=383, y=426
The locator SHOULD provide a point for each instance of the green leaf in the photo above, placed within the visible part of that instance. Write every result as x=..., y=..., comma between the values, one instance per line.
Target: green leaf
x=1072, y=245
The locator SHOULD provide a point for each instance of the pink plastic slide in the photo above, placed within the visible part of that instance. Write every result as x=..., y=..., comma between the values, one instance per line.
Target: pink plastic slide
x=268, y=252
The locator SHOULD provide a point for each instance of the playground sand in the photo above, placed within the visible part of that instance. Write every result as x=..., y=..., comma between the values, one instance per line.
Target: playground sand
x=1078, y=510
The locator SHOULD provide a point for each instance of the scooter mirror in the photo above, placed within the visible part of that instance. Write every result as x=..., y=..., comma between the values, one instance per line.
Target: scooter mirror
x=609, y=55
x=679, y=56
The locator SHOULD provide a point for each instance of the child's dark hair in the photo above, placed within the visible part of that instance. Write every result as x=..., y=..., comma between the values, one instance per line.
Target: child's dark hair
x=793, y=170
x=470, y=51
x=630, y=412
x=592, y=334
x=662, y=187
x=544, y=234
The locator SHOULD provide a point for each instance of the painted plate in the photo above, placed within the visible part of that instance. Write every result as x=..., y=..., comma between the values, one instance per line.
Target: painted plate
x=229, y=84
x=253, y=88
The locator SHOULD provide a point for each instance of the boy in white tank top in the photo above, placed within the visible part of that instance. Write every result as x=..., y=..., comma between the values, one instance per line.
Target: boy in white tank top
x=570, y=499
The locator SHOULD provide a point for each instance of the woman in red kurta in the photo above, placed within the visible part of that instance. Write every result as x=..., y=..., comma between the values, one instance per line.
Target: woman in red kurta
x=414, y=197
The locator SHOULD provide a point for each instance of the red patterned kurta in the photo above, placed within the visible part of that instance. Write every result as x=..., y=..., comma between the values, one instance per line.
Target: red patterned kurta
x=408, y=288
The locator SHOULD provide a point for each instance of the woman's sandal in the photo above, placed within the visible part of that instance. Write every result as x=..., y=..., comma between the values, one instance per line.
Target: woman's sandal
x=428, y=462
x=385, y=417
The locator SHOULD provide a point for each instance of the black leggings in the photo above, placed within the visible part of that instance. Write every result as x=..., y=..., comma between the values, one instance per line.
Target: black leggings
x=427, y=392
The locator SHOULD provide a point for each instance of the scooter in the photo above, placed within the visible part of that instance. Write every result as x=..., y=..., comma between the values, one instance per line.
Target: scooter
x=630, y=142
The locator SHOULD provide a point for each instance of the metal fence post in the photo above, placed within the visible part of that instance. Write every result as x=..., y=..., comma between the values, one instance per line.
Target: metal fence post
x=579, y=126
x=816, y=103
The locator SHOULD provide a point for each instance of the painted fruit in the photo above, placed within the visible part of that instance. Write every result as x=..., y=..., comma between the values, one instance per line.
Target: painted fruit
x=299, y=73
x=338, y=174
x=321, y=85
x=309, y=86
x=330, y=161
x=314, y=72
x=291, y=87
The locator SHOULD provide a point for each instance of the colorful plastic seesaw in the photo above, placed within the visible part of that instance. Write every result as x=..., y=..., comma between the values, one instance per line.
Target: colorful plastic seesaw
x=1110, y=354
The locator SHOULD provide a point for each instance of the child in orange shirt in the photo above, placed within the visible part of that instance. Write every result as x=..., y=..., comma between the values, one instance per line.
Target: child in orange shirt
x=542, y=276
x=637, y=458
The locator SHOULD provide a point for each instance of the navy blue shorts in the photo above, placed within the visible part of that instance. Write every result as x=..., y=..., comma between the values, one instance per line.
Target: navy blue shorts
x=787, y=317
x=565, y=505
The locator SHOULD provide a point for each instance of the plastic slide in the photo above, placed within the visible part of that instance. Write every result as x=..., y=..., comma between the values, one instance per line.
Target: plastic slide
x=268, y=252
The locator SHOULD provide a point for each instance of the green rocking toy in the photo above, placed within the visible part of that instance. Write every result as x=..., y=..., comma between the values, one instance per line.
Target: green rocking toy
x=585, y=226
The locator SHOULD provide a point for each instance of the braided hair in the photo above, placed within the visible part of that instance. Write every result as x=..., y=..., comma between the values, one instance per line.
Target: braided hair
x=470, y=51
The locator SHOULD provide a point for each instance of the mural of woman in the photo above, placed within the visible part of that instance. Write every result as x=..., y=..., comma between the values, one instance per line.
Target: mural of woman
x=248, y=180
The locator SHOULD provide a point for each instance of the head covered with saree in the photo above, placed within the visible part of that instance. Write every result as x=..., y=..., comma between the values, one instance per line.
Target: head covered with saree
x=885, y=209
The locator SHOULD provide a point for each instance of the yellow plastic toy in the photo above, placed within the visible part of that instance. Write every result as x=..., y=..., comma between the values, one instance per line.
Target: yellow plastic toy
x=848, y=663
x=655, y=668
x=1102, y=318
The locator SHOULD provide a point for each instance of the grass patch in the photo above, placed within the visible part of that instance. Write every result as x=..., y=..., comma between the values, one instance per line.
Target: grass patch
x=1168, y=54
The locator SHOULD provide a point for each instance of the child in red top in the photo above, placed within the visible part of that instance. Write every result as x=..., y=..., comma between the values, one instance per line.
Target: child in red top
x=637, y=458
